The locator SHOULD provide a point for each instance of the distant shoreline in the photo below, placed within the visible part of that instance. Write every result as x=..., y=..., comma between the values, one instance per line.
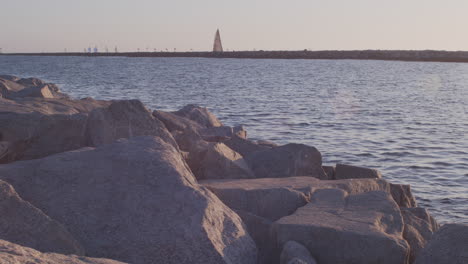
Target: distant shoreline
x=392, y=55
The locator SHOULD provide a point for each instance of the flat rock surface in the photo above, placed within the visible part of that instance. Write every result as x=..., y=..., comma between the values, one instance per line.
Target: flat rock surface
x=340, y=228
x=135, y=201
x=274, y=198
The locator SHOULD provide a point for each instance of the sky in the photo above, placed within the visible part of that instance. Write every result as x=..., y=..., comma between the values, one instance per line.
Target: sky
x=56, y=25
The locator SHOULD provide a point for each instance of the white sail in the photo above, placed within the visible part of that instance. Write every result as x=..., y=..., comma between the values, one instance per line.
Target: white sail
x=217, y=46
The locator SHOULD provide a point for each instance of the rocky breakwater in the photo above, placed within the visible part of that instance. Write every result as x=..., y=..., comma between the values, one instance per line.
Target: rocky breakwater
x=90, y=181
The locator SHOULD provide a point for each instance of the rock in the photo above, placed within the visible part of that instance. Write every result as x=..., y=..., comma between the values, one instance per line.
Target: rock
x=259, y=229
x=448, y=245
x=352, y=172
x=222, y=133
x=330, y=172
x=286, y=161
x=30, y=82
x=243, y=146
x=340, y=228
x=24, y=224
x=8, y=86
x=124, y=119
x=133, y=200
x=200, y=115
x=32, y=136
x=12, y=253
x=34, y=127
x=402, y=195
x=9, y=77
x=418, y=229
x=294, y=252
x=220, y=162
x=38, y=91
x=267, y=143
x=273, y=198
x=175, y=122
x=13, y=88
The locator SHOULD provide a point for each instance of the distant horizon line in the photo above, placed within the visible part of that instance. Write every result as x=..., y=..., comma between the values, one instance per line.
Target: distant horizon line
x=231, y=50
x=389, y=55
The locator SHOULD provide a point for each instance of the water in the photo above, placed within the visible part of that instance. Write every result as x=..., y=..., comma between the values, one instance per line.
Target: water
x=408, y=119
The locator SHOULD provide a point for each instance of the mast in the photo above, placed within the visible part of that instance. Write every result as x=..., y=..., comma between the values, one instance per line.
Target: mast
x=217, y=46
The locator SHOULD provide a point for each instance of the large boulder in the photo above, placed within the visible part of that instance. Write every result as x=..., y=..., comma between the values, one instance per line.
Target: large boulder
x=222, y=133
x=13, y=88
x=273, y=198
x=340, y=228
x=295, y=253
x=287, y=161
x=133, y=200
x=220, y=162
x=200, y=115
x=124, y=119
x=448, y=245
x=418, y=230
x=24, y=224
x=244, y=146
x=353, y=172
x=33, y=128
x=12, y=253
x=175, y=122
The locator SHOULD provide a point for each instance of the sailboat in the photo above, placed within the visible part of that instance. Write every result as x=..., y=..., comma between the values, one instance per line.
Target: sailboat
x=217, y=46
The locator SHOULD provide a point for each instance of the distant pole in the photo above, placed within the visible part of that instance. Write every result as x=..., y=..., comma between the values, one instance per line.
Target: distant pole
x=115, y=49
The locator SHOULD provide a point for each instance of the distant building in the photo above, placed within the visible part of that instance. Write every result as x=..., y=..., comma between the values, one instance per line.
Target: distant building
x=217, y=46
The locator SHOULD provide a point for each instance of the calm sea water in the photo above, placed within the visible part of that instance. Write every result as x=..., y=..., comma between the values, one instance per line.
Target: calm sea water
x=407, y=119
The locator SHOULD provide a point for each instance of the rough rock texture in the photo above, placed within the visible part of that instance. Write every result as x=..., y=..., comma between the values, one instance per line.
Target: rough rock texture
x=200, y=115
x=419, y=227
x=13, y=87
x=24, y=224
x=175, y=122
x=340, y=228
x=294, y=252
x=286, y=161
x=222, y=133
x=221, y=162
x=33, y=128
x=133, y=200
x=11, y=253
x=274, y=198
x=448, y=245
x=124, y=119
x=352, y=172
x=402, y=195
x=243, y=146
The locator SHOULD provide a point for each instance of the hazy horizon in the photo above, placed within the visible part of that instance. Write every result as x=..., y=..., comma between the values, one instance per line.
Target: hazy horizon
x=54, y=25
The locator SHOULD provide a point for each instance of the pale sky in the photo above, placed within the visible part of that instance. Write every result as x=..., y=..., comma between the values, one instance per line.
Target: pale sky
x=53, y=25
